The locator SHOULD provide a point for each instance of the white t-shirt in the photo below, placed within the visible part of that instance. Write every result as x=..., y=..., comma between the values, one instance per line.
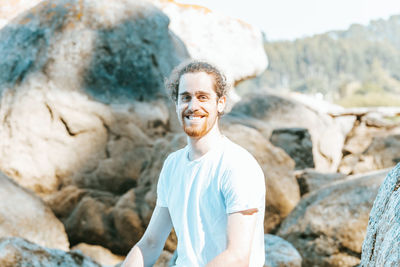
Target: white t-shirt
x=200, y=194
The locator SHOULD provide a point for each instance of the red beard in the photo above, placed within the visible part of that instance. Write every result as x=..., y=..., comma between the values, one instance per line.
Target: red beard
x=196, y=130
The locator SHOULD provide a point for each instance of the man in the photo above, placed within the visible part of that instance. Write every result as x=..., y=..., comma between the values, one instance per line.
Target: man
x=212, y=191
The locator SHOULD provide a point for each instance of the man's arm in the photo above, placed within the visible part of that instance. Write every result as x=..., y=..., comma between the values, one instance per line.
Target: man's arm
x=240, y=232
x=147, y=250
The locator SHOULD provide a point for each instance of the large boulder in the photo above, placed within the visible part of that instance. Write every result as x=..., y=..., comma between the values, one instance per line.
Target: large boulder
x=282, y=190
x=57, y=85
x=280, y=253
x=209, y=36
x=328, y=226
x=18, y=252
x=381, y=246
x=22, y=214
x=267, y=112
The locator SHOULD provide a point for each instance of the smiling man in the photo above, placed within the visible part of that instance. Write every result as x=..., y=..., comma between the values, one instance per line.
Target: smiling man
x=212, y=191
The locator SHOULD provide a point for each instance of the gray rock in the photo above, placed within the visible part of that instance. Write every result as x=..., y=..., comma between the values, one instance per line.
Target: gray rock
x=22, y=214
x=18, y=252
x=55, y=84
x=297, y=144
x=125, y=55
x=381, y=153
x=280, y=253
x=267, y=112
x=99, y=254
x=99, y=217
x=310, y=180
x=381, y=246
x=328, y=226
x=210, y=36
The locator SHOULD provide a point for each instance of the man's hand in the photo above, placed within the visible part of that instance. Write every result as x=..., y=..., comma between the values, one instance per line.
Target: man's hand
x=148, y=249
x=240, y=232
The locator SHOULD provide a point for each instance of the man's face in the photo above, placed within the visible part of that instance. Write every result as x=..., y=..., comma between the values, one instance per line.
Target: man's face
x=198, y=104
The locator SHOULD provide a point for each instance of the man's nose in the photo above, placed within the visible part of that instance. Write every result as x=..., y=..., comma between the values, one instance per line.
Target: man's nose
x=194, y=104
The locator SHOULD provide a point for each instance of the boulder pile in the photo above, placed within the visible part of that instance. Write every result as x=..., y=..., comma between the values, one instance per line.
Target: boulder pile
x=85, y=126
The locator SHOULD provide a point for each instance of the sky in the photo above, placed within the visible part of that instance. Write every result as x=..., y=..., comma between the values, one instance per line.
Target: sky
x=291, y=19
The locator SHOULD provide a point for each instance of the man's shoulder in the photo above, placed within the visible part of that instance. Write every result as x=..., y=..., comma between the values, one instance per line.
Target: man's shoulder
x=237, y=152
x=175, y=156
x=238, y=156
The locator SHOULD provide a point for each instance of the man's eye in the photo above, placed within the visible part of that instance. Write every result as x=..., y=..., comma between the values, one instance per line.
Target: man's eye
x=203, y=98
x=185, y=98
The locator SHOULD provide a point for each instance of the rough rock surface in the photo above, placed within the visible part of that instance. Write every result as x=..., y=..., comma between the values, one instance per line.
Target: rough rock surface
x=267, y=112
x=381, y=246
x=99, y=217
x=47, y=66
x=282, y=189
x=310, y=180
x=328, y=226
x=209, y=35
x=18, y=252
x=375, y=132
x=297, y=144
x=280, y=253
x=22, y=214
x=383, y=152
x=12, y=8
x=99, y=254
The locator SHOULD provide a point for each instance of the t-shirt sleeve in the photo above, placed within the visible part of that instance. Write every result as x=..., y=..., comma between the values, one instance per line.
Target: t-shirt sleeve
x=162, y=187
x=243, y=186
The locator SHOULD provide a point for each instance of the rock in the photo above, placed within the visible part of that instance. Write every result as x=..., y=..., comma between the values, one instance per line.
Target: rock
x=283, y=192
x=22, y=214
x=381, y=246
x=381, y=153
x=328, y=226
x=311, y=180
x=267, y=112
x=297, y=144
x=209, y=36
x=99, y=217
x=11, y=8
x=364, y=131
x=99, y=254
x=17, y=251
x=280, y=253
x=65, y=135
x=105, y=63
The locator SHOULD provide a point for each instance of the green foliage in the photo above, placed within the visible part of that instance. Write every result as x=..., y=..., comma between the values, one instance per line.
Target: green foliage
x=333, y=62
x=372, y=99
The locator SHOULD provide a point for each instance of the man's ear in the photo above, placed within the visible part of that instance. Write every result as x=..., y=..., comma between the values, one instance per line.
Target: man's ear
x=221, y=104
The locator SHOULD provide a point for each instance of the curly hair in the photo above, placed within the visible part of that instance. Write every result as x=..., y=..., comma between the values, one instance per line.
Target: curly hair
x=221, y=85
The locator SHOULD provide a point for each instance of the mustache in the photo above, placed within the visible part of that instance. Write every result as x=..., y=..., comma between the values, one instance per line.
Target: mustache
x=194, y=113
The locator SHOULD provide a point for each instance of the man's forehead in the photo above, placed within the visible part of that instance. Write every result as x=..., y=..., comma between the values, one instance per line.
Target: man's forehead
x=197, y=81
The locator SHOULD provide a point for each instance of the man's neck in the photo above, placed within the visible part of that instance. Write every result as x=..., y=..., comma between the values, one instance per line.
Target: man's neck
x=200, y=146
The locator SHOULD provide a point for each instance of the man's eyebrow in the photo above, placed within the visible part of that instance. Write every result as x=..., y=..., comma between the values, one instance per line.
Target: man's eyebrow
x=202, y=93
x=196, y=93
